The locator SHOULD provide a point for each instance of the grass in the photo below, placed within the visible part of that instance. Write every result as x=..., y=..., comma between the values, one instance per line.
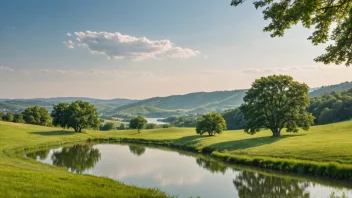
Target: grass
x=328, y=146
x=22, y=177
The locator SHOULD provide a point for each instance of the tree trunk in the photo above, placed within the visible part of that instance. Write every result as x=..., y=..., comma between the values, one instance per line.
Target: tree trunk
x=138, y=130
x=276, y=132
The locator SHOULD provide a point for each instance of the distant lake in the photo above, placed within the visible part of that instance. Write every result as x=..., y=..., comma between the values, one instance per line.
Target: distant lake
x=155, y=120
x=186, y=174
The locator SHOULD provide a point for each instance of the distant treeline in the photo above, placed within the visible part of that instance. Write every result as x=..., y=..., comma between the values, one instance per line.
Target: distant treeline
x=332, y=107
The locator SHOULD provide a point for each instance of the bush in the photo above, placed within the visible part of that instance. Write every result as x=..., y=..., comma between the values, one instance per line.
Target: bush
x=107, y=126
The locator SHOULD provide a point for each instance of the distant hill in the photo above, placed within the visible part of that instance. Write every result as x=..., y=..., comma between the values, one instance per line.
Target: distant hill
x=193, y=103
x=18, y=105
x=327, y=89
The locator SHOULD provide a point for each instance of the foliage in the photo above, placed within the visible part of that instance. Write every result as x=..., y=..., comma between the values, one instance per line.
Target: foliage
x=276, y=102
x=77, y=115
x=1, y=115
x=18, y=118
x=77, y=158
x=137, y=149
x=328, y=89
x=152, y=126
x=318, y=14
x=211, y=123
x=37, y=115
x=107, y=126
x=9, y=116
x=333, y=107
x=234, y=119
x=183, y=121
x=138, y=122
x=122, y=127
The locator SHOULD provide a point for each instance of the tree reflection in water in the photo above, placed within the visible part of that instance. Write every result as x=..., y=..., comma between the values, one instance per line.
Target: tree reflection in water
x=211, y=165
x=77, y=158
x=137, y=149
x=41, y=154
x=249, y=184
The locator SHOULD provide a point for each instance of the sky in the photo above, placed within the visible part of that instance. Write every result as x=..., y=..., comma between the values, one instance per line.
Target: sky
x=141, y=49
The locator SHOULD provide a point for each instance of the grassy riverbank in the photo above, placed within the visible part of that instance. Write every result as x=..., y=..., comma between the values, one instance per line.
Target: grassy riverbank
x=23, y=177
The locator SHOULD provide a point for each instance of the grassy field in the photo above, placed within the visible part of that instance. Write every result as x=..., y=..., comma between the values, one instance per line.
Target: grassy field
x=22, y=177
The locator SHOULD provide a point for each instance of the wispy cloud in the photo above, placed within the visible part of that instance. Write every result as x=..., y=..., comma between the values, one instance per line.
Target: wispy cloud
x=282, y=69
x=6, y=69
x=70, y=44
x=118, y=46
x=69, y=34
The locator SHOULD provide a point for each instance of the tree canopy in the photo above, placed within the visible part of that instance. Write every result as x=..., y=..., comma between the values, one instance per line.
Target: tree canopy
x=138, y=122
x=77, y=115
x=319, y=14
x=234, y=119
x=276, y=102
x=332, y=107
x=211, y=123
x=37, y=115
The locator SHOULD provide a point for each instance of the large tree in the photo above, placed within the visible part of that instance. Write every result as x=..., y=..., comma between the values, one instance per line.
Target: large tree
x=276, y=102
x=77, y=115
x=319, y=14
x=37, y=115
x=138, y=123
x=211, y=123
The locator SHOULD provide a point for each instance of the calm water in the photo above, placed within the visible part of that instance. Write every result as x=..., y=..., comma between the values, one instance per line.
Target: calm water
x=182, y=173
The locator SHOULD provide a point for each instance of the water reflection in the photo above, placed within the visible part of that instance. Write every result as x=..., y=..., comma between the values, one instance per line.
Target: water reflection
x=211, y=165
x=77, y=158
x=182, y=173
x=249, y=184
x=39, y=154
x=137, y=149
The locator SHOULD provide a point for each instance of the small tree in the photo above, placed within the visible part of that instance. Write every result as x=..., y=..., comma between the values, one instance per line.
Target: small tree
x=122, y=126
x=276, y=102
x=107, y=126
x=211, y=123
x=138, y=123
x=77, y=115
x=37, y=115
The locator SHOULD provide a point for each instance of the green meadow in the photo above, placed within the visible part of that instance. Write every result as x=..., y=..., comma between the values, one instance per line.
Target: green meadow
x=22, y=177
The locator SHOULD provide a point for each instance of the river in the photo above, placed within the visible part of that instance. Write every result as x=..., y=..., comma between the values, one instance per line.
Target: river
x=185, y=174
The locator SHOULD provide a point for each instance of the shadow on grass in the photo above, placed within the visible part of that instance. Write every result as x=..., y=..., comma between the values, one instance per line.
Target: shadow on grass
x=51, y=133
x=191, y=139
x=248, y=143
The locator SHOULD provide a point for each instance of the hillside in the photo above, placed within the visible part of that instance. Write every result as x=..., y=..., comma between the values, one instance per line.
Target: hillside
x=327, y=89
x=18, y=105
x=192, y=103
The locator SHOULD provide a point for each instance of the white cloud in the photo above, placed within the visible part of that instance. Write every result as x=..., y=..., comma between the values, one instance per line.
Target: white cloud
x=119, y=46
x=69, y=34
x=6, y=69
x=70, y=44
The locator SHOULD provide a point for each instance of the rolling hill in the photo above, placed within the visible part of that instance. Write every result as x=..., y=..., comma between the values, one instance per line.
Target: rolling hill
x=192, y=103
x=327, y=89
x=18, y=105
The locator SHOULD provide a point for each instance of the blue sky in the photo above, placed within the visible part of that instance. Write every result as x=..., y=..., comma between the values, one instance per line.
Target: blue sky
x=141, y=49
